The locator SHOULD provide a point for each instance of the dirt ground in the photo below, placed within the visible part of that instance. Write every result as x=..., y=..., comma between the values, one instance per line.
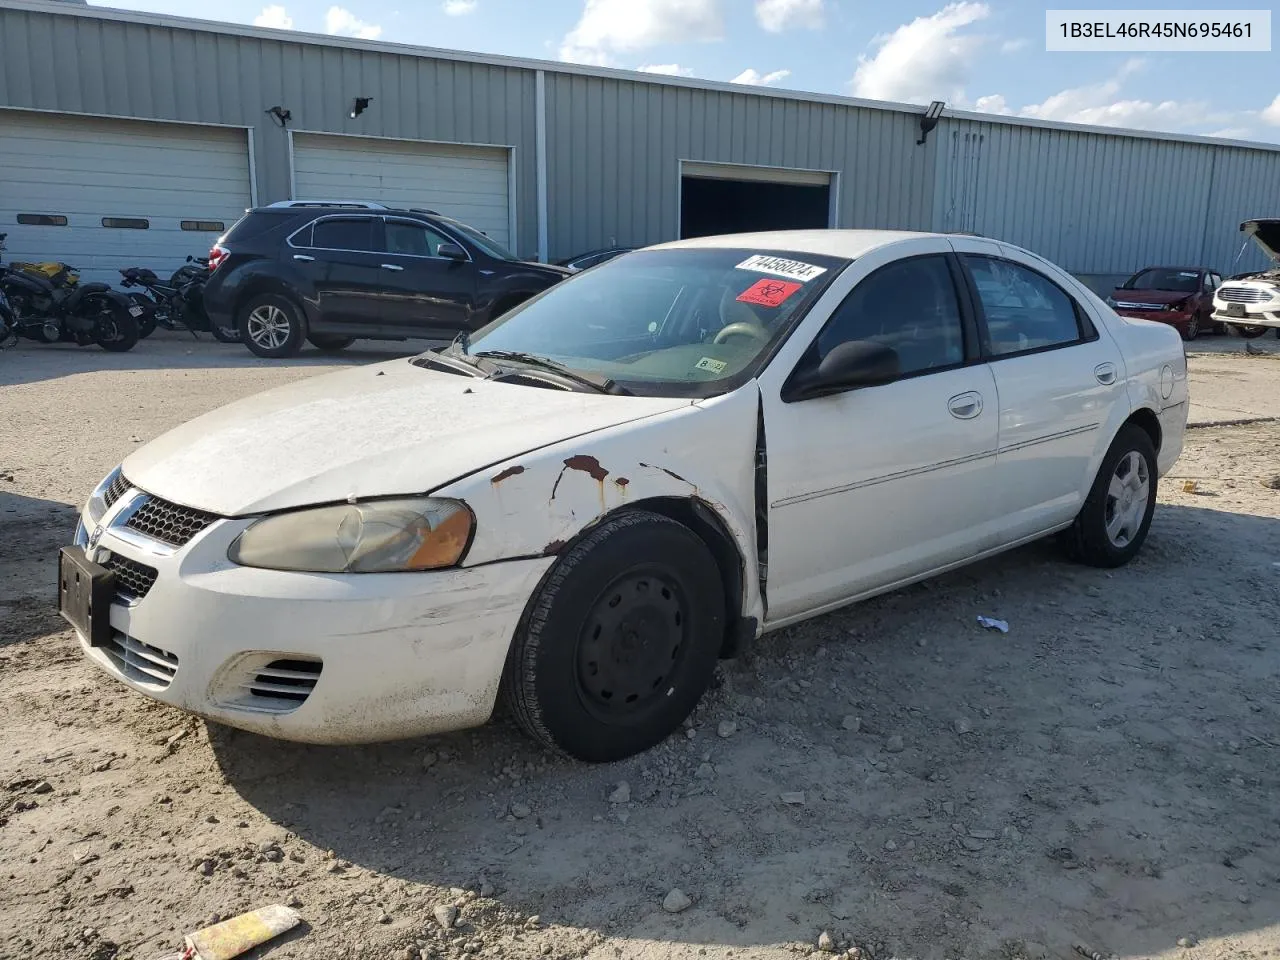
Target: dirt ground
x=893, y=775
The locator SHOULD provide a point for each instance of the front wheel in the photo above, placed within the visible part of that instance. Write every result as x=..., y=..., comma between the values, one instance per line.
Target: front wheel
x=272, y=326
x=117, y=330
x=1250, y=331
x=619, y=641
x=1113, y=523
x=1192, y=329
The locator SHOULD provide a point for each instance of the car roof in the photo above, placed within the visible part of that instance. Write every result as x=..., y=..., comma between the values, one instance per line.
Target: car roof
x=1165, y=266
x=850, y=244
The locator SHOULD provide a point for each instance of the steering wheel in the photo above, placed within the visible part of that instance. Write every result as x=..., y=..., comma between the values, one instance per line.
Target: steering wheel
x=742, y=329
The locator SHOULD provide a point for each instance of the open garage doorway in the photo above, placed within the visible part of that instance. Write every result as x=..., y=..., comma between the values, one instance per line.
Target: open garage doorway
x=729, y=198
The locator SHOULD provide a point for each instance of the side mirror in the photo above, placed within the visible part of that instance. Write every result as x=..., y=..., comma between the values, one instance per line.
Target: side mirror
x=451, y=251
x=847, y=366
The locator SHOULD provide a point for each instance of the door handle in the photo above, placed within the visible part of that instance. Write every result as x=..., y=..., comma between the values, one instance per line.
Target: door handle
x=965, y=406
x=1105, y=373
x=392, y=266
x=304, y=258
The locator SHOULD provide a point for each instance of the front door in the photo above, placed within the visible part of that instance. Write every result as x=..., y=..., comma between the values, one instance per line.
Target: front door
x=425, y=294
x=876, y=485
x=1058, y=376
x=348, y=278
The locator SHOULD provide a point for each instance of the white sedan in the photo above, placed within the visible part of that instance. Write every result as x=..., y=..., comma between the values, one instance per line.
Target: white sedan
x=586, y=504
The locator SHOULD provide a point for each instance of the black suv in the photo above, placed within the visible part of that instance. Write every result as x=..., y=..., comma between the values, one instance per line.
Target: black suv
x=332, y=272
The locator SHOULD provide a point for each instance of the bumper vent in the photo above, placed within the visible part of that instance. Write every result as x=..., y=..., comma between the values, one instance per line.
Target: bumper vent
x=133, y=579
x=1244, y=295
x=168, y=522
x=282, y=685
x=118, y=488
x=141, y=662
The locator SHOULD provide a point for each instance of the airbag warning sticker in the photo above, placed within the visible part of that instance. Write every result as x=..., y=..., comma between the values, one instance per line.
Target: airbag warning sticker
x=782, y=267
x=768, y=293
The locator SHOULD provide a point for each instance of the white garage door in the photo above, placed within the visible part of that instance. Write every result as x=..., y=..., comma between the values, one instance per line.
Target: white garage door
x=106, y=194
x=470, y=184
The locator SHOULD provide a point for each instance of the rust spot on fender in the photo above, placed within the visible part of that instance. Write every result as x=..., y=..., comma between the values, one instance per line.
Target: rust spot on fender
x=554, y=547
x=507, y=474
x=588, y=465
x=622, y=482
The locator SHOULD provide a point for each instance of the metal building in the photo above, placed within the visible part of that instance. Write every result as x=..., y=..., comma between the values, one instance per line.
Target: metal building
x=135, y=138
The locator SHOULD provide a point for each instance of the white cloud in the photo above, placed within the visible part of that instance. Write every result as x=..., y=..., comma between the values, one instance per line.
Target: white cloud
x=929, y=58
x=459, y=8
x=995, y=103
x=1271, y=114
x=342, y=22
x=274, y=16
x=1013, y=46
x=667, y=69
x=756, y=79
x=607, y=27
x=778, y=15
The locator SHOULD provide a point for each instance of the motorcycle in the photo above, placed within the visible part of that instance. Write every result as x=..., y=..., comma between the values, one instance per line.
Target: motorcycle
x=196, y=268
x=173, y=306
x=48, y=303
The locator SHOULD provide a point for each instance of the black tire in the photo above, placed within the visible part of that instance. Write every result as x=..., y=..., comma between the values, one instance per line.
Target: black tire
x=146, y=322
x=1192, y=329
x=1250, y=331
x=330, y=342
x=292, y=334
x=225, y=334
x=600, y=692
x=124, y=336
x=1088, y=539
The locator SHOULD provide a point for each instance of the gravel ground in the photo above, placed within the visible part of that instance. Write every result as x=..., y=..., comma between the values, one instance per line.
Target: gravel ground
x=890, y=778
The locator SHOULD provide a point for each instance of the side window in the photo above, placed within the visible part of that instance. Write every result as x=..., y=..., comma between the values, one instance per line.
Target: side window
x=345, y=233
x=910, y=306
x=1024, y=310
x=407, y=238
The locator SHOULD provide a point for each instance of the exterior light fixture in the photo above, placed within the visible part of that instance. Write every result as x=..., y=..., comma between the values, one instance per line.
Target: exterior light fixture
x=360, y=105
x=282, y=115
x=930, y=119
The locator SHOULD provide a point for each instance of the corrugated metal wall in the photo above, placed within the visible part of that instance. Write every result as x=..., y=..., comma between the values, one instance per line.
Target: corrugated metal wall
x=1094, y=202
x=614, y=150
x=85, y=65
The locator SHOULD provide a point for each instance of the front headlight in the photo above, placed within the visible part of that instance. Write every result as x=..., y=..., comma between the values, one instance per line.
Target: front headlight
x=97, y=505
x=380, y=536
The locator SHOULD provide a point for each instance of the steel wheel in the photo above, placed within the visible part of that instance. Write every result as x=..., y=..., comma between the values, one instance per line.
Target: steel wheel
x=631, y=643
x=269, y=326
x=1128, y=494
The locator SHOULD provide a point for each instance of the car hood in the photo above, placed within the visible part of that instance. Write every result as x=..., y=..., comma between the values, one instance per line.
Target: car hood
x=385, y=429
x=1148, y=296
x=1266, y=234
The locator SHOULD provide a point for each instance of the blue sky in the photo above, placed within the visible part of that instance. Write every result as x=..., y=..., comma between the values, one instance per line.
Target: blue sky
x=985, y=55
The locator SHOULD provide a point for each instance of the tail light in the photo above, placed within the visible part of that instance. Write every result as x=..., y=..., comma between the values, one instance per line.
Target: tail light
x=217, y=255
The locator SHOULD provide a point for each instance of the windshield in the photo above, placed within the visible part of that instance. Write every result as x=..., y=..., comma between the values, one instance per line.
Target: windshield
x=490, y=246
x=678, y=322
x=1174, y=281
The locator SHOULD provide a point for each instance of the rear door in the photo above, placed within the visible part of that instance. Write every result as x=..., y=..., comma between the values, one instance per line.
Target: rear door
x=424, y=294
x=343, y=258
x=1057, y=378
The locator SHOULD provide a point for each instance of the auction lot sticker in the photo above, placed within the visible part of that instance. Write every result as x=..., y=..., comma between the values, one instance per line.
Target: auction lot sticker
x=782, y=267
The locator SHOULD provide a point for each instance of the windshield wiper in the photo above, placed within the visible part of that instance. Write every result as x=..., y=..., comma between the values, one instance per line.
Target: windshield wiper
x=599, y=384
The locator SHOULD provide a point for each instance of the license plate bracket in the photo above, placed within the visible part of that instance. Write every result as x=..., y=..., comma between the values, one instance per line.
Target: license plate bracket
x=1235, y=310
x=85, y=592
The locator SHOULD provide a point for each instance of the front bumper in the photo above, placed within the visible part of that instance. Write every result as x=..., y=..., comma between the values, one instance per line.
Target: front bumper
x=316, y=658
x=1254, y=316
x=1174, y=318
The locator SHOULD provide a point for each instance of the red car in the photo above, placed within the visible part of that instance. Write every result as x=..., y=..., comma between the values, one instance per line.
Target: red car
x=1179, y=296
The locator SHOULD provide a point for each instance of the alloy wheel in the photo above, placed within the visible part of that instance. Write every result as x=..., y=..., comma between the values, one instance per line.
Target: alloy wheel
x=1128, y=495
x=268, y=326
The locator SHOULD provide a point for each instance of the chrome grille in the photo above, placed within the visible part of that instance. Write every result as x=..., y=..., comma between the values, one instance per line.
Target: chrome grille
x=283, y=685
x=141, y=662
x=133, y=579
x=168, y=522
x=118, y=487
x=1244, y=294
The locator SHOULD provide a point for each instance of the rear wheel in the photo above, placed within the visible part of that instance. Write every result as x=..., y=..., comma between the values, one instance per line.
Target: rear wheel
x=272, y=326
x=330, y=342
x=1113, y=523
x=146, y=322
x=117, y=330
x=620, y=640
